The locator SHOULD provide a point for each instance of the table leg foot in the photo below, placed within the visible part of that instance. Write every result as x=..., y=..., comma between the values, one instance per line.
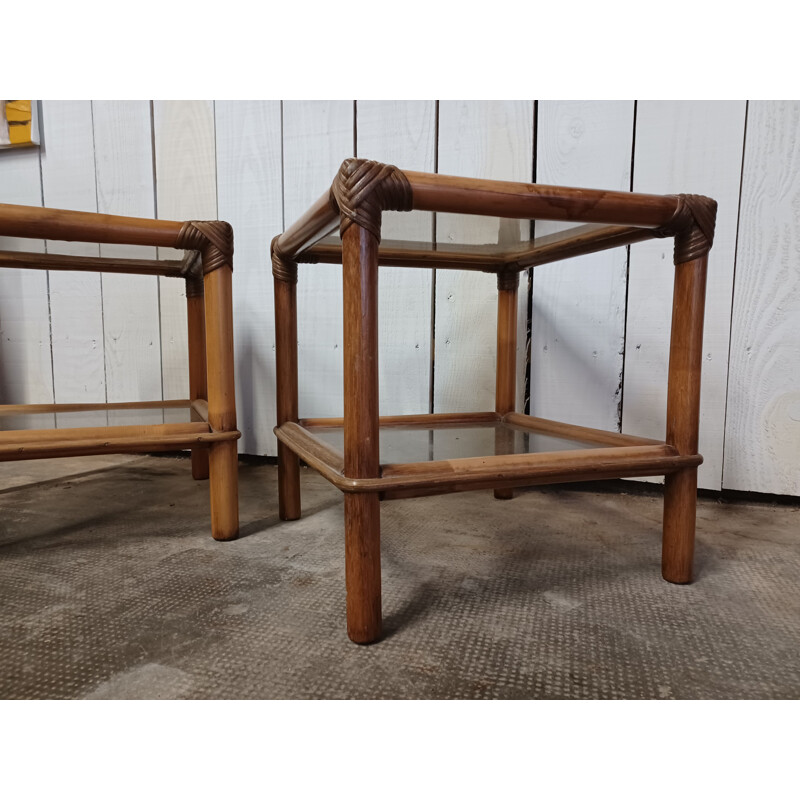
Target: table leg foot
x=224, y=490
x=363, y=566
x=680, y=508
x=200, y=463
x=288, y=483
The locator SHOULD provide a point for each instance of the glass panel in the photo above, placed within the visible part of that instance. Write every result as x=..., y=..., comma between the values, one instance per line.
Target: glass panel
x=405, y=445
x=98, y=418
x=486, y=237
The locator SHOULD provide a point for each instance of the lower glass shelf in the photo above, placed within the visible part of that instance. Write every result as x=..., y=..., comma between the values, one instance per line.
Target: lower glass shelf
x=98, y=415
x=52, y=431
x=436, y=453
x=401, y=444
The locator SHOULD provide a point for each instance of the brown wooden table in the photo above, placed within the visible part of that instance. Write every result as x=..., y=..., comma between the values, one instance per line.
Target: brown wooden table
x=205, y=421
x=355, y=452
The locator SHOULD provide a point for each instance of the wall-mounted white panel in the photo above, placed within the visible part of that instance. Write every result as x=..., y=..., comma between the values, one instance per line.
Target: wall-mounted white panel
x=250, y=198
x=402, y=133
x=317, y=137
x=76, y=307
x=695, y=148
x=186, y=186
x=479, y=139
x=578, y=320
x=26, y=373
x=762, y=439
x=131, y=325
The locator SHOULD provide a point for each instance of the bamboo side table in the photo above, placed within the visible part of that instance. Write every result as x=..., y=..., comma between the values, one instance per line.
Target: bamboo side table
x=205, y=421
x=527, y=450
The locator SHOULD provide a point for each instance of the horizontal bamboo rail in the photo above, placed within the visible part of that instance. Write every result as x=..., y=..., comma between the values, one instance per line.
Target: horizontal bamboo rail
x=84, y=226
x=565, y=430
x=457, y=195
x=188, y=429
x=320, y=220
x=132, y=266
x=64, y=408
x=97, y=445
x=469, y=418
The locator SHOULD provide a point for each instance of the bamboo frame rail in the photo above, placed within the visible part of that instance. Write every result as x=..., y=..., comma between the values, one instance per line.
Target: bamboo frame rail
x=210, y=432
x=361, y=191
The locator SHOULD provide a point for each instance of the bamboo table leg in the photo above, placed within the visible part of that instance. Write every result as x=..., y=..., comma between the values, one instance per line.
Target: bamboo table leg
x=506, y=379
x=361, y=444
x=195, y=312
x=683, y=413
x=286, y=380
x=223, y=464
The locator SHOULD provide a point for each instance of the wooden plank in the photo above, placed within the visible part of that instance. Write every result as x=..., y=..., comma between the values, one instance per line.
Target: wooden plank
x=402, y=133
x=483, y=140
x=691, y=147
x=26, y=371
x=250, y=198
x=762, y=439
x=317, y=137
x=186, y=189
x=76, y=309
x=578, y=315
x=124, y=175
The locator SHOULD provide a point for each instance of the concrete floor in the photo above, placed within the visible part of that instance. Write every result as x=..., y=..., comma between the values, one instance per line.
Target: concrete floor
x=111, y=587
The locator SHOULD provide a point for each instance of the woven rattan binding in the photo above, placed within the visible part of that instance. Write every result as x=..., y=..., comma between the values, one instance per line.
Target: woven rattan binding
x=214, y=240
x=363, y=189
x=692, y=225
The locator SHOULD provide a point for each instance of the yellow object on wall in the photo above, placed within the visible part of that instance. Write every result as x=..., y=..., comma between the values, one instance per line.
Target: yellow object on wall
x=18, y=114
x=18, y=123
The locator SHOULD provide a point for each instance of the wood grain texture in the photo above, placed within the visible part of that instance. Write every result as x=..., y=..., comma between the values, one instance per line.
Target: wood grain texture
x=26, y=374
x=578, y=318
x=362, y=518
x=483, y=140
x=76, y=309
x=762, y=440
x=317, y=137
x=186, y=189
x=692, y=147
x=124, y=176
x=250, y=198
x=402, y=133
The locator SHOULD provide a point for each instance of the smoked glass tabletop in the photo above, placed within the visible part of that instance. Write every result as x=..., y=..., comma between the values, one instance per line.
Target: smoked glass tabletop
x=410, y=445
x=481, y=243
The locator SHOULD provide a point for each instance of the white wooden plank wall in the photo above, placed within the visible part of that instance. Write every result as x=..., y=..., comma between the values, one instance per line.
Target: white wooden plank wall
x=689, y=147
x=578, y=331
x=82, y=337
x=76, y=304
x=186, y=184
x=131, y=324
x=762, y=440
x=480, y=140
x=26, y=367
x=317, y=137
x=250, y=197
x=398, y=132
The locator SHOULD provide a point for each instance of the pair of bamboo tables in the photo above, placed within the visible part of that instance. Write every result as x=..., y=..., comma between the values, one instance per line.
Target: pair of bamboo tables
x=368, y=457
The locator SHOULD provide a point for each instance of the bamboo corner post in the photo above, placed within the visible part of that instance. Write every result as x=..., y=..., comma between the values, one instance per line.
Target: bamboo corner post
x=693, y=239
x=361, y=191
x=211, y=432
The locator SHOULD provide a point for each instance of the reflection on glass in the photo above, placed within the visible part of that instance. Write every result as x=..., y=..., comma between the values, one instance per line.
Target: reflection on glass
x=408, y=445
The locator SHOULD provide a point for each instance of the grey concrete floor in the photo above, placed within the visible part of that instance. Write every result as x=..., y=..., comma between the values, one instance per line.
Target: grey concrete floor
x=112, y=587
